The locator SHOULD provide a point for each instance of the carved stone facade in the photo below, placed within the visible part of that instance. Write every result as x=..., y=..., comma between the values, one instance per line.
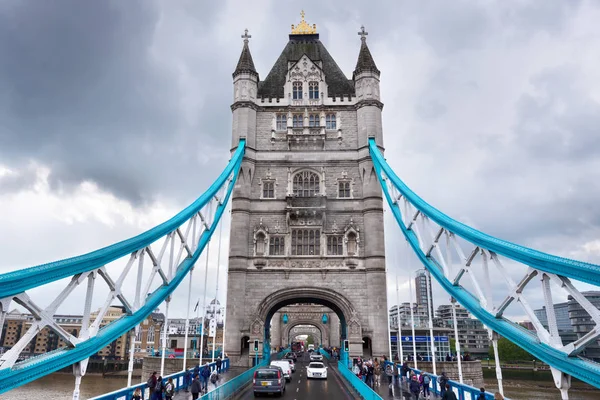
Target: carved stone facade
x=307, y=211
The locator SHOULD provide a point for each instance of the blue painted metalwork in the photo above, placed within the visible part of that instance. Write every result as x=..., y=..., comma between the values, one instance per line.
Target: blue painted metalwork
x=325, y=354
x=579, y=270
x=178, y=380
x=285, y=318
x=584, y=370
x=13, y=283
x=324, y=319
x=362, y=388
x=459, y=389
x=16, y=282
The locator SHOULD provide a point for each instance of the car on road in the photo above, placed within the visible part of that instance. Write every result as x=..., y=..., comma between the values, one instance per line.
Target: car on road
x=268, y=380
x=316, y=357
x=292, y=364
x=316, y=370
x=285, y=366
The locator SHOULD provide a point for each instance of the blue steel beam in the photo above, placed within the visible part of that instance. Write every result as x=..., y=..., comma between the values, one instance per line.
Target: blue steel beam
x=578, y=270
x=13, y=283
x=34, y=368
x=580, y=368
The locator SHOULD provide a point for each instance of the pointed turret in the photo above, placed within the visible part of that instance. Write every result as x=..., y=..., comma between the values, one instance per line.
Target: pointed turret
x=245, y=63
x=365, y=61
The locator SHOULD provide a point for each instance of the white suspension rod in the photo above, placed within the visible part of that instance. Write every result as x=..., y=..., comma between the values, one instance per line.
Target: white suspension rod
x=430, y=311
x=187, y=321
x=217, y=290
x=456, y=339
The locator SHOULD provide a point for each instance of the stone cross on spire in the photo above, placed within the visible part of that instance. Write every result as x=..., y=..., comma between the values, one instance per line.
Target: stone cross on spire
x=245, y=36
x=362, y=33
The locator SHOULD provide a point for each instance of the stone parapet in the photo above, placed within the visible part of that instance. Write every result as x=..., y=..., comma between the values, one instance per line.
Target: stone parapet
x=472, y=371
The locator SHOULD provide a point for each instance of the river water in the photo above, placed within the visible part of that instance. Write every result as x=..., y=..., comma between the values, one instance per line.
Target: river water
x=60, y=387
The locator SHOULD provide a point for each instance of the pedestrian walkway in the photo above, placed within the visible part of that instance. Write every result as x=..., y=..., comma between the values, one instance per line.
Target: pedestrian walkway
x=226, y=376
x=397, y=391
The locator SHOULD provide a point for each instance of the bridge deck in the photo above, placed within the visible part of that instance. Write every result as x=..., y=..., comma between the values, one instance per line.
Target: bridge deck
x=396, y=391
x=300, y=388
x=224, y=377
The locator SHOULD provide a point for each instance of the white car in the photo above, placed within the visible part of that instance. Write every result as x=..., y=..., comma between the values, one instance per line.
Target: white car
x=316, y=370
x=316, y=357
x=285, y=366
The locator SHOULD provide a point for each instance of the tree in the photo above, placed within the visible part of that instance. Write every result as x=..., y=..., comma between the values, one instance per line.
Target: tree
x=452, y=345
x=510, y=352
x=310, y=340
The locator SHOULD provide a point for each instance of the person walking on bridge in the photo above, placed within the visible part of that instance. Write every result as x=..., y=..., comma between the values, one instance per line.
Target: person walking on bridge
x=196, y=387
x=414, y=387
x=219, y=363
x=449, y=393
x=205, y=374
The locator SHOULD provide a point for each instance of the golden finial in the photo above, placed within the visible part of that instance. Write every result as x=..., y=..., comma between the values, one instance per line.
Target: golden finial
x=303, y=28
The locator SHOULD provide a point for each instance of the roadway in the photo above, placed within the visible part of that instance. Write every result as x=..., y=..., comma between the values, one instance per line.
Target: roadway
x=300, y=388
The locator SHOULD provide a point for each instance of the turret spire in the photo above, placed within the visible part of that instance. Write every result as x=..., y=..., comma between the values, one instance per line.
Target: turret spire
x=245, y=63
x=365, y=59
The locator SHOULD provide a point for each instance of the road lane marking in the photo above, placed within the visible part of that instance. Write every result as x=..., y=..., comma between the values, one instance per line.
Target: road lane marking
x=297, y=389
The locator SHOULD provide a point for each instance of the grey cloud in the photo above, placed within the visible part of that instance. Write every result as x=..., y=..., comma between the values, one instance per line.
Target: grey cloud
x=87, y=95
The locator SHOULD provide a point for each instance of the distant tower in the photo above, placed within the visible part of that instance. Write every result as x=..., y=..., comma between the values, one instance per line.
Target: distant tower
x=307, y=210
x=421, y=292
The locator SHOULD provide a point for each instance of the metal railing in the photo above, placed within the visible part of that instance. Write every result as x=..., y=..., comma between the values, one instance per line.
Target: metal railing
x=178, y=380
x=325, y=354
x=362, y=388
x=238, y=383
x=462, y=391
x=234, y=385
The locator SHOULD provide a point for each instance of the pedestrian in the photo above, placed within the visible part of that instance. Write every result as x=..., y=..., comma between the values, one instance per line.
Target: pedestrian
x=214, y=378
x=370, y=374
x=498, y=396
x=187, y=380
x=414, y=387
x=443, y=382
x=169, y=389
x=151, y=383
x=425, y=380
x=481, y=394
x=205, y=374
x=396, y=374
x=449, y=393
x=219, y=363
x=137, y=394
x=159, y=388
x=377, y=371
x=405, y=370
x=196, y=387
x=389, y=371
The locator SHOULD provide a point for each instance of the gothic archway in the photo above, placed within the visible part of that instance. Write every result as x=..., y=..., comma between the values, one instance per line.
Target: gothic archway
x=288, y=329
x=310, y=295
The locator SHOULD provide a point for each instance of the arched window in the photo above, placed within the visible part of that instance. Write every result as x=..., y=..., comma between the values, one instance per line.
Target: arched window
x=297, y=120
x=334, y=245
x=330, y=121
x=150, y=338
x=352, y=248
x=313, y=90
x=306, y=184
x=297, y=90
x=313, y=120
x=260, y=244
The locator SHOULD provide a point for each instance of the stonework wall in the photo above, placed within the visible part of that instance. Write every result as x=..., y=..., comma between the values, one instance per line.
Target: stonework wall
x=472, y=371
x=352, y=284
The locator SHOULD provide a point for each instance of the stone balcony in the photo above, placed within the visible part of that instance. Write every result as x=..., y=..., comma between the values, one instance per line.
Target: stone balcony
x=306, y=138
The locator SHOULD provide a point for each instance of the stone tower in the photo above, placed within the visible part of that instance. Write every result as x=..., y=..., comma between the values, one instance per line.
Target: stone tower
x=307, y=211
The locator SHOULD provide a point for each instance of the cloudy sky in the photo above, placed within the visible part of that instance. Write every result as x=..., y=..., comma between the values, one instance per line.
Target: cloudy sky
x=115, y=115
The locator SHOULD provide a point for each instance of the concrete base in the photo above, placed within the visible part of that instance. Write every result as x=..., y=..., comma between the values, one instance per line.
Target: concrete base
x=472, y=371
